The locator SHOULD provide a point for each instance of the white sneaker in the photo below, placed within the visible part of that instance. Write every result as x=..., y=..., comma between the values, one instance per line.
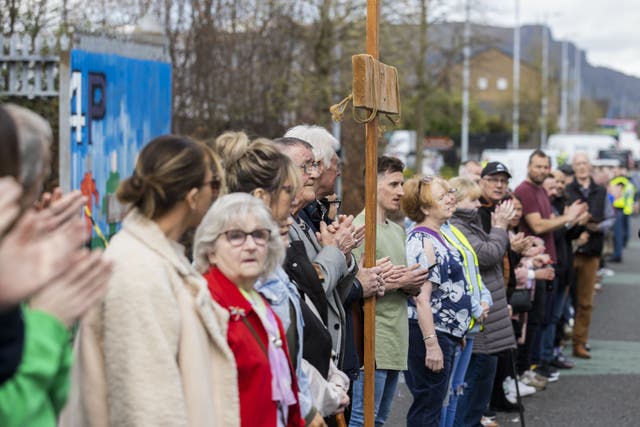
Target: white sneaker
x=607, y=272
x=511, y=398
x=509, y=387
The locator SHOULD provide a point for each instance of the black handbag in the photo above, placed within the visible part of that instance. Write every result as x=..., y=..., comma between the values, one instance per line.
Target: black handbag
x=520, y=300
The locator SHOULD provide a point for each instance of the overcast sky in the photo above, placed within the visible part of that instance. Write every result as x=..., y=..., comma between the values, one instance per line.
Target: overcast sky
x=608, y=30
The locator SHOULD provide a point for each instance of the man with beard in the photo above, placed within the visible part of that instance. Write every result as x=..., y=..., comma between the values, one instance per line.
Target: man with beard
x=538, y=220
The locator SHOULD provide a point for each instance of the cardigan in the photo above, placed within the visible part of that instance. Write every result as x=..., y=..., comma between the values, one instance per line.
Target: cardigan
x=154, y=351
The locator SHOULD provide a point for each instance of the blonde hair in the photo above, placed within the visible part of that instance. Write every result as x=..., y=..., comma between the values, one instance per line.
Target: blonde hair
x=465, y=188
x=229, y=145
x=260, y=165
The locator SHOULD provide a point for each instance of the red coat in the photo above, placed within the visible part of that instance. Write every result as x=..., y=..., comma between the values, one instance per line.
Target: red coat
x=257, y=409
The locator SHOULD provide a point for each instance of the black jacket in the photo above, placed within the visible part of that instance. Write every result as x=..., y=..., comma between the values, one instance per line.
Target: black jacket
x=596, y=197
x=11, y=342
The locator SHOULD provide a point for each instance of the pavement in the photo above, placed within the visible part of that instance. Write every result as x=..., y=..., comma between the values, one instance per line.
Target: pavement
x=603, y=391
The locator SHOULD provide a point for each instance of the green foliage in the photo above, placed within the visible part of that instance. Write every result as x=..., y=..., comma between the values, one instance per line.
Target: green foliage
x=448, y=172
x=443, y=114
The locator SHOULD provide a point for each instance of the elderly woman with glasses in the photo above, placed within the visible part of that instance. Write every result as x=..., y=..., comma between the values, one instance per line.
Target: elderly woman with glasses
x=237, y=243
x=439, y=317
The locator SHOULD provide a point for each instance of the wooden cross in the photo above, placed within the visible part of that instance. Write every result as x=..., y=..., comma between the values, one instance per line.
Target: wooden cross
x=375, y=90
x=384, y=86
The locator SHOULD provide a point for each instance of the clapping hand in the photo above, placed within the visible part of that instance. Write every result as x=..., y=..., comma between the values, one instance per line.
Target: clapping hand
x=504, y=212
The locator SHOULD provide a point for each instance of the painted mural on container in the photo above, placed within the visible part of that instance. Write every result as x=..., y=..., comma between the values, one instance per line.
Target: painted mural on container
x=118, y=104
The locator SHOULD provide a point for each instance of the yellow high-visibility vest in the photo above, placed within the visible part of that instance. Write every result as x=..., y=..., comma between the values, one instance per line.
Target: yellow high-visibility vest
x=462, y=240
x=624, y=202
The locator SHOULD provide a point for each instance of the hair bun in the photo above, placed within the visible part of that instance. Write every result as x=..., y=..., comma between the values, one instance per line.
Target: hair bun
x=231, y=146
x=132, y=189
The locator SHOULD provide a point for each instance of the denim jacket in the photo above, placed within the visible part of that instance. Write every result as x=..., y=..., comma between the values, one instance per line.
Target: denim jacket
x=278, y=290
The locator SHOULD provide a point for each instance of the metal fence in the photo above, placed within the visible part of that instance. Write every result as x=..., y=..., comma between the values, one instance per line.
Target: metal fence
x=29, y=67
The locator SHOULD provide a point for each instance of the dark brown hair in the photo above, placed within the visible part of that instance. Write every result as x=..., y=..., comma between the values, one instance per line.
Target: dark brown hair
x=168, y=168
x=538, y=153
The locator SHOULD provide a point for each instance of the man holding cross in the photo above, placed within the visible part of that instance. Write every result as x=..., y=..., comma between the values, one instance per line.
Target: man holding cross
x=391, y=326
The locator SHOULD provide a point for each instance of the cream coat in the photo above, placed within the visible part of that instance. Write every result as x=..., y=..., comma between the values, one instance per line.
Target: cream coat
x=154, y=352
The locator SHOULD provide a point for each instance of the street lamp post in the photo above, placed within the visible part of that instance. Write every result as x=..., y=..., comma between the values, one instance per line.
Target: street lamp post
x=544, y=103
x=464, y=137
x=516, y=77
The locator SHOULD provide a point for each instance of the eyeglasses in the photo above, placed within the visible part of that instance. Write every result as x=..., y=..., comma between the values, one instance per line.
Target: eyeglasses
x=309, y=167
x=238, y=237
x=503, y=181
x=449, y=192
x=215, y=183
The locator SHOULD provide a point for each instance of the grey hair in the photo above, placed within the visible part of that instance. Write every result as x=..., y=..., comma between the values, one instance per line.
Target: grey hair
x=323, y=143
x=582, y=154
x=34, y=139
x=233, y=209
x=286, y=143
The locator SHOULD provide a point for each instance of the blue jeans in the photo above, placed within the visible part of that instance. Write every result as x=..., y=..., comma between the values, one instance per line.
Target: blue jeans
x=386, y=382
x=427, y=387
x=548, y=327
x=625, y=230
x=477, y=393
x=618, y=234
x=458, y=372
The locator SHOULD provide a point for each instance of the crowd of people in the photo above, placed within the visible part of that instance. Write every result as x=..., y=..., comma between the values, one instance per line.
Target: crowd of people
x=233, y=293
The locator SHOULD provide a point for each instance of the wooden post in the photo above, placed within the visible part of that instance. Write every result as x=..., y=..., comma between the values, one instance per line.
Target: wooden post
x=370, y=203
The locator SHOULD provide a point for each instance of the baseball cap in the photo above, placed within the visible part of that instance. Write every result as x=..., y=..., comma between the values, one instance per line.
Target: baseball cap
x=493, y=168
x=566, y=169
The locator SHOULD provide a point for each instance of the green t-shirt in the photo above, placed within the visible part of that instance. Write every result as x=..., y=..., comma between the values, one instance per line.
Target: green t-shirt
x=392, y=326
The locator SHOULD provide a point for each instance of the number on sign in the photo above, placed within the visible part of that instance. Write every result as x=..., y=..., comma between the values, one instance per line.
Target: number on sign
x=77, y=119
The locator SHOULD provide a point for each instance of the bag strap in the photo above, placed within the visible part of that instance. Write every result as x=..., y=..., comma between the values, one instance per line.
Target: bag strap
x=255, y=335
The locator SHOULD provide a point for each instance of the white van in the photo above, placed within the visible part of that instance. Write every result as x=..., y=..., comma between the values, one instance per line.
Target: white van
x=568, y=144
x=516, y=161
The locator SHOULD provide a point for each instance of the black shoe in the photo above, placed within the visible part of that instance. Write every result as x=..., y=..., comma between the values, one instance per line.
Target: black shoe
x=561, y=362
x=615, y=259
x=489, y=413
x=548, y=371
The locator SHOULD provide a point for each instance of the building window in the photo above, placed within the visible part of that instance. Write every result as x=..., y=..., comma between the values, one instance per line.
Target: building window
x=483, y=83
x=502, y=83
